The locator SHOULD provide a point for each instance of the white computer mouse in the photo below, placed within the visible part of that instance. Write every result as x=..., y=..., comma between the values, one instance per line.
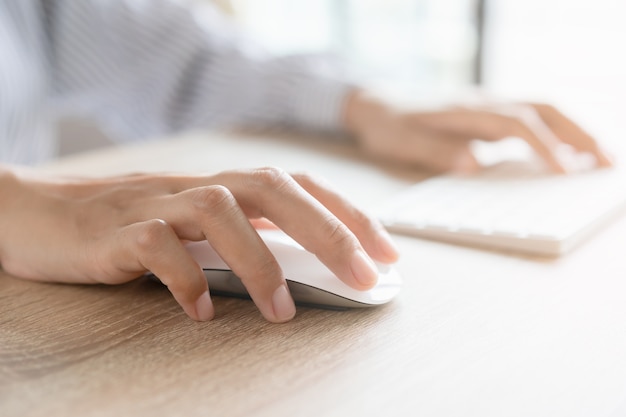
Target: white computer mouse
x=310, y=281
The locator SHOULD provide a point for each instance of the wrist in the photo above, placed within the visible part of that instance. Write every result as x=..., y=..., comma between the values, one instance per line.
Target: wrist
x=363, y=111
x=8, y=183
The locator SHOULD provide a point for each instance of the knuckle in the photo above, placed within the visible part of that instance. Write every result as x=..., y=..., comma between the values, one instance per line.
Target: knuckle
x=152, y=234
x=337, y=233
x=214, y=198
x=270, y=177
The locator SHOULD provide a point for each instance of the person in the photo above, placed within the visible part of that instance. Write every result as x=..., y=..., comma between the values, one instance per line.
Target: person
x=151, y=68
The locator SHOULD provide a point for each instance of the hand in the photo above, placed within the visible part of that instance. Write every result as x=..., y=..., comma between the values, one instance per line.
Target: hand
x=440, y=140
x=114, y=230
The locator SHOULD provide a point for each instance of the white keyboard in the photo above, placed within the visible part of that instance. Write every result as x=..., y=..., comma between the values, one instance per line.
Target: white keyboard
x=509, y=207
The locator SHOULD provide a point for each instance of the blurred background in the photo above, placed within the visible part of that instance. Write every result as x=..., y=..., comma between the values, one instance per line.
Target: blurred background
x=428, y=45
x=570, y=53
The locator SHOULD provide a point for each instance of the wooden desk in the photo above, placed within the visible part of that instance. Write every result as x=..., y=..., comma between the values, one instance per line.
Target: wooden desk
x=474, y=333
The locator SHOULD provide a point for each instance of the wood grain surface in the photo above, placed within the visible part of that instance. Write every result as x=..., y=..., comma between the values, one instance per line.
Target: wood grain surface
x=473, y=333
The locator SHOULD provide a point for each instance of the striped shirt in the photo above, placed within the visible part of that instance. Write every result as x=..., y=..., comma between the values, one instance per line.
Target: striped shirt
x=144, y=68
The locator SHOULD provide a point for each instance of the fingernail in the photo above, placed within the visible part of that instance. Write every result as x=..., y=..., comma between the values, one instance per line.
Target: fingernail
x=204, y=307
x=363, y=269
x=284, y=308
x=387, y=246
x=606, y=159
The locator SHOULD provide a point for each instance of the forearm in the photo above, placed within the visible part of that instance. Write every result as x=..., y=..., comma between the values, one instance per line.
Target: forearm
x=33, y=210
x=204, y=73
x=362, y=111
x=9, y=186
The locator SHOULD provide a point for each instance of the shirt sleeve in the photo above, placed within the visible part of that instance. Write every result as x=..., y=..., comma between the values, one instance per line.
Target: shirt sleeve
x=148, y=67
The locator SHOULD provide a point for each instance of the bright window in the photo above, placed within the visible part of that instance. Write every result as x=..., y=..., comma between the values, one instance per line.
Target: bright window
x=567, y=52
x=427, y=45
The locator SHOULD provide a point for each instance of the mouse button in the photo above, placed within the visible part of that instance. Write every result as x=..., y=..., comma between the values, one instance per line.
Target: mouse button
x=382, y=268
x=304, y=268
x=388, y=275
x=321, y=279
x=382, y=293
x=277, y=240
x=388, y=286
x=205, y=255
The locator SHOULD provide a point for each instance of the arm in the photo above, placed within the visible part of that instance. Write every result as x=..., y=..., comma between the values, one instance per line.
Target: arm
x=149, y=68
x=113, y=230
x=153, y=67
